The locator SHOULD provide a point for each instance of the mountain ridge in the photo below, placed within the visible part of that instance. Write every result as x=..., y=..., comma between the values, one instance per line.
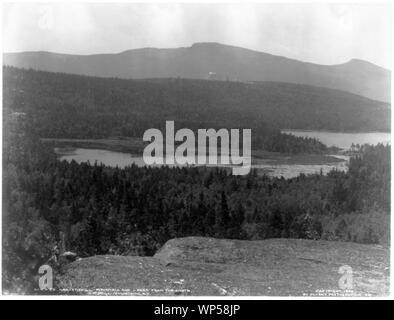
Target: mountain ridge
x=198, y=44
x=213, y=61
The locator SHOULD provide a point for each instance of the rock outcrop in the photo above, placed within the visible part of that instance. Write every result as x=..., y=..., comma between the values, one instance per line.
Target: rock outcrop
x=207, y=266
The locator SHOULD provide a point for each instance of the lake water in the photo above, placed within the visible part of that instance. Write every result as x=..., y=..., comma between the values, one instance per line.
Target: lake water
x=340, y=140
x=343, y=140
x=121, y=160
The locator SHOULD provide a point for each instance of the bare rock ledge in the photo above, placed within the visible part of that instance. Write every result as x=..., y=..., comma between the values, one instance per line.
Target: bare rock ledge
x=207, y=266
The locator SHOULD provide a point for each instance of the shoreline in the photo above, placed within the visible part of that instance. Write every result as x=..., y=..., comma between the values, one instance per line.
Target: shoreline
x=67, y=147
x=328, y=131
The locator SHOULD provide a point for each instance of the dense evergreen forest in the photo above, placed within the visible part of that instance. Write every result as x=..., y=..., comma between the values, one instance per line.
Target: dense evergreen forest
x=70, y=106
x=91, y=209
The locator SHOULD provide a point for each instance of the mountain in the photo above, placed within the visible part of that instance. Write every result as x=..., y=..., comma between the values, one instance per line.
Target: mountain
x=207, y=266
x=213, y=61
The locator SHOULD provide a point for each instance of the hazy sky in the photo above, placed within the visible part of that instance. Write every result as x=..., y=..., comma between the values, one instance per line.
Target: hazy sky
x=319, y=33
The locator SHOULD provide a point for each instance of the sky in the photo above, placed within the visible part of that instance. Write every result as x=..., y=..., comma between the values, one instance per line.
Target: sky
x=318, y=33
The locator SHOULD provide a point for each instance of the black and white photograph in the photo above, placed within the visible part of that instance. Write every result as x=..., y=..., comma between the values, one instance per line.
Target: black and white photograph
x=196, y=149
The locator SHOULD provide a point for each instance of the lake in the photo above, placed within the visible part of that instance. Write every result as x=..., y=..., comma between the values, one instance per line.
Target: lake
x=264, y=166
x=343, y=140
x=269, y=167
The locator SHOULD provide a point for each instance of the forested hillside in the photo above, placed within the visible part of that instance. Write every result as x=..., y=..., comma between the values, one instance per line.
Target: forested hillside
x=92, y=209
x=70, y=106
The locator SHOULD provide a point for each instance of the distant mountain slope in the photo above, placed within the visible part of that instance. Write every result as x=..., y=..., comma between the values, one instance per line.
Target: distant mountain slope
x=213, y=61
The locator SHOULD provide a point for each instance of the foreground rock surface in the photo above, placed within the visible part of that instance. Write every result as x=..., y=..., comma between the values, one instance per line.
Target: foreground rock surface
x=207, y=266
